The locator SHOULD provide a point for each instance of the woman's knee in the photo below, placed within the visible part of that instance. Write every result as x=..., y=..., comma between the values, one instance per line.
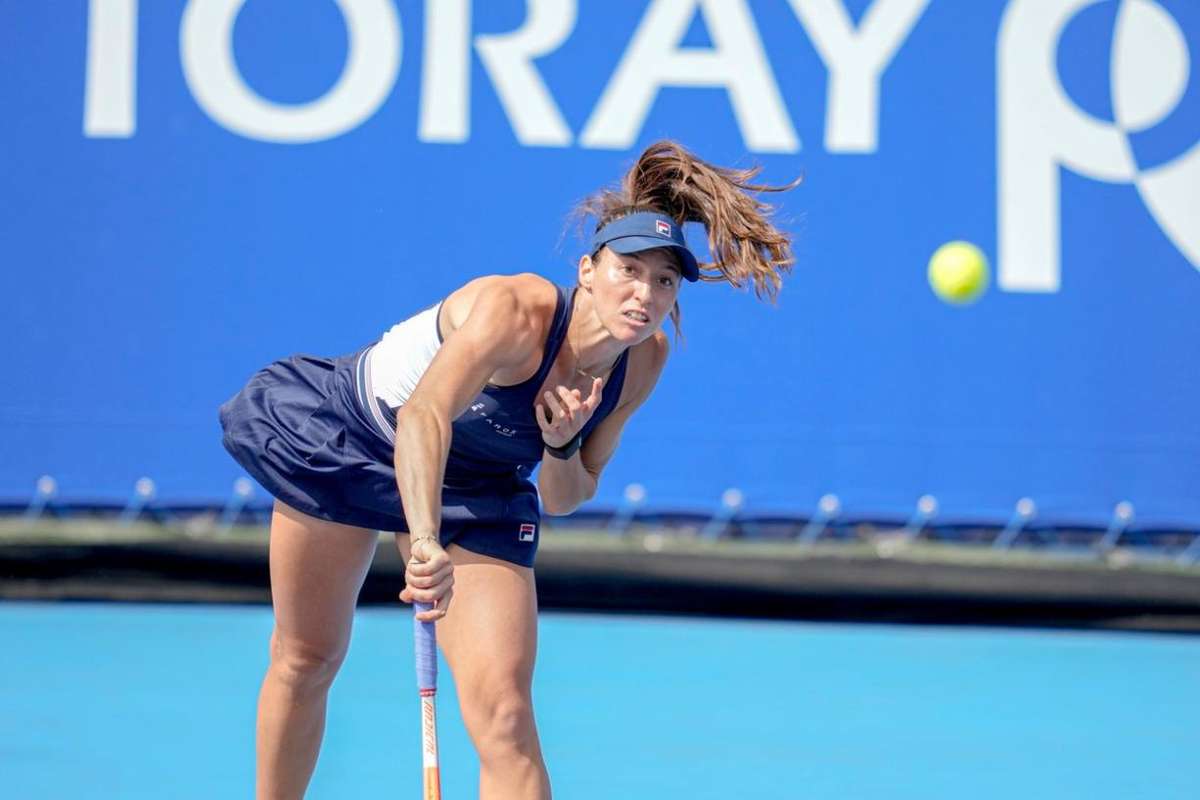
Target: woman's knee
x=305, y=667
x=502, y=725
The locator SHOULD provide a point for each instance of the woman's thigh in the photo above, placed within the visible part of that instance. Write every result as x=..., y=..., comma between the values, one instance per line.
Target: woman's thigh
x=317, y=570
x=489, y=635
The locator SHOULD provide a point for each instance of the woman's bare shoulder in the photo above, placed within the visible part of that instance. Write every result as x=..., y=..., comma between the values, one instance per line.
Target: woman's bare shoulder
x=530, y=296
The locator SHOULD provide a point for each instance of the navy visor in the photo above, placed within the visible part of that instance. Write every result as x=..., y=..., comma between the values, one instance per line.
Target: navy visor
x=645, y=230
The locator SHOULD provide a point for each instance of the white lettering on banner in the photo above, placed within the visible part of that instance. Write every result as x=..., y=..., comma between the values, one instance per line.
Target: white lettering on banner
x=372, y=64
x=446, y=73
x=1148, y=35
x=110, y=93
x=655, y=60
x=856, y=60
x=1042, y=130
x=508, y=59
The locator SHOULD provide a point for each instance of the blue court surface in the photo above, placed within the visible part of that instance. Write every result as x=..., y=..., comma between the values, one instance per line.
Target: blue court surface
x=127, y=701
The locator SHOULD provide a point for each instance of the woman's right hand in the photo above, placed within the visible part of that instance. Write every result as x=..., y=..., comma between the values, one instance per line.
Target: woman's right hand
x=429, y=578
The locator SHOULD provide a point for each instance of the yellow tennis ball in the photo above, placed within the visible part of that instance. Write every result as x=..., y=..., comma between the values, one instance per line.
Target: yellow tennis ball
x=958, y=272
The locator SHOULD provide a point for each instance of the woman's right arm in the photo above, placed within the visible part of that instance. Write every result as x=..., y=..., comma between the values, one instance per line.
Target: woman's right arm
x=502, y=330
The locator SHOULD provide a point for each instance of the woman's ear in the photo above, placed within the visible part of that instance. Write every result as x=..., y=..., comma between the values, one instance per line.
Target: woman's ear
x=587, y=272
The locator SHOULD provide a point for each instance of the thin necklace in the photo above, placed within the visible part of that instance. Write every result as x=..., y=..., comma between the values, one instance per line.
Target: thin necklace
x=579, y=370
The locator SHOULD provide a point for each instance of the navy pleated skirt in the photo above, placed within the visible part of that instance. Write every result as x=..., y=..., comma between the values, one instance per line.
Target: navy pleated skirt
x=298, y=428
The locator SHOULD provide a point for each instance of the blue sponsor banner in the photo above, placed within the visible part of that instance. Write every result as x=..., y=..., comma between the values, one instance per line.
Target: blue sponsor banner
x=193, y=189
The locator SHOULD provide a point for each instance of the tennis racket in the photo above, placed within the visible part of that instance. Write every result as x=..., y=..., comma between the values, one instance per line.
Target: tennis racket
x=425, y=638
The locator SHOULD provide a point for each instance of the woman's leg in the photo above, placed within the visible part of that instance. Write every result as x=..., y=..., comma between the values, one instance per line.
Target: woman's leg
x=317, y=569
x=489, y=639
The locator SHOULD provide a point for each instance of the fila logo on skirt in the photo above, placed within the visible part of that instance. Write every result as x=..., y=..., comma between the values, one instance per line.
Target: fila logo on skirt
x=527, y=532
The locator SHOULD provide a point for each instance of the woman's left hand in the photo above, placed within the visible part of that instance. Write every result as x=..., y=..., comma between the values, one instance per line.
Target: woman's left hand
x=565, y=412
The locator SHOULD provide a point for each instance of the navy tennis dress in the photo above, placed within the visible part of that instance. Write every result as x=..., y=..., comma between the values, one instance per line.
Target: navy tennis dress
x=305, y=429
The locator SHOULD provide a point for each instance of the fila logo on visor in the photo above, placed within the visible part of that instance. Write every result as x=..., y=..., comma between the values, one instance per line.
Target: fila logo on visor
x=527, y=532
x=663, y=228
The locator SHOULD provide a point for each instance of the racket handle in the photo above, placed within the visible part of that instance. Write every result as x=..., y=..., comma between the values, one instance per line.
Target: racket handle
x=425, y=639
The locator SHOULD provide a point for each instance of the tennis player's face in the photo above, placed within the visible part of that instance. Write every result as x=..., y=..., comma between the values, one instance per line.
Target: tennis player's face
x=634, y=293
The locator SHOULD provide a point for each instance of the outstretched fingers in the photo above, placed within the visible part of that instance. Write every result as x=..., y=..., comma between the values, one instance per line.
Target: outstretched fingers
x=572, y=399
x=593, y=399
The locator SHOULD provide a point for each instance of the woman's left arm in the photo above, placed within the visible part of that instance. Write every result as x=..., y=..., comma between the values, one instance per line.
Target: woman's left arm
x=564, y=484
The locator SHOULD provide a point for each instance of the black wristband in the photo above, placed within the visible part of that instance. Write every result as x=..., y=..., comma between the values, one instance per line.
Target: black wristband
x=567, y=450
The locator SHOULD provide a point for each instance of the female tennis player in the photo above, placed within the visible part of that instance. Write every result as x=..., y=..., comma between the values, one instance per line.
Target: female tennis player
x=433, y=432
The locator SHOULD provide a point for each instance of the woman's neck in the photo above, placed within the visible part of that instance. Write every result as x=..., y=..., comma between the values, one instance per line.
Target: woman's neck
x=593, y=347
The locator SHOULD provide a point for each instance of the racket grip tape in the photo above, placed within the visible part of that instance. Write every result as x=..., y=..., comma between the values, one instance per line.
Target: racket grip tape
x=425, y=640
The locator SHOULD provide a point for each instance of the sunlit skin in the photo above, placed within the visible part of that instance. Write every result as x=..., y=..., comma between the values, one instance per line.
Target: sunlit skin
x=498, y=331
x=620, y=306
x=616, y=285
x=622, y=303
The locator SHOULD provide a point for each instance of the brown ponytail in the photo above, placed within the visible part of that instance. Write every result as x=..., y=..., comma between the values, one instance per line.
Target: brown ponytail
x=671, y=180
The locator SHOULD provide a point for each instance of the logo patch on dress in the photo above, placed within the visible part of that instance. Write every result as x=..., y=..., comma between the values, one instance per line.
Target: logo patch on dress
x=527, y=532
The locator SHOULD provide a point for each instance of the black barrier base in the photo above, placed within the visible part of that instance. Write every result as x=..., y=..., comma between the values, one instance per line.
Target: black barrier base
x=606, y=575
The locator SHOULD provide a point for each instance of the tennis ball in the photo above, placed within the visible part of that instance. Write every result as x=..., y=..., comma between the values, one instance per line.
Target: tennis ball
x=958, y=272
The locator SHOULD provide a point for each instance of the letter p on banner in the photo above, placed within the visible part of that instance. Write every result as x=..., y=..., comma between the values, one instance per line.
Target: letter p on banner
x=1042, y=130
